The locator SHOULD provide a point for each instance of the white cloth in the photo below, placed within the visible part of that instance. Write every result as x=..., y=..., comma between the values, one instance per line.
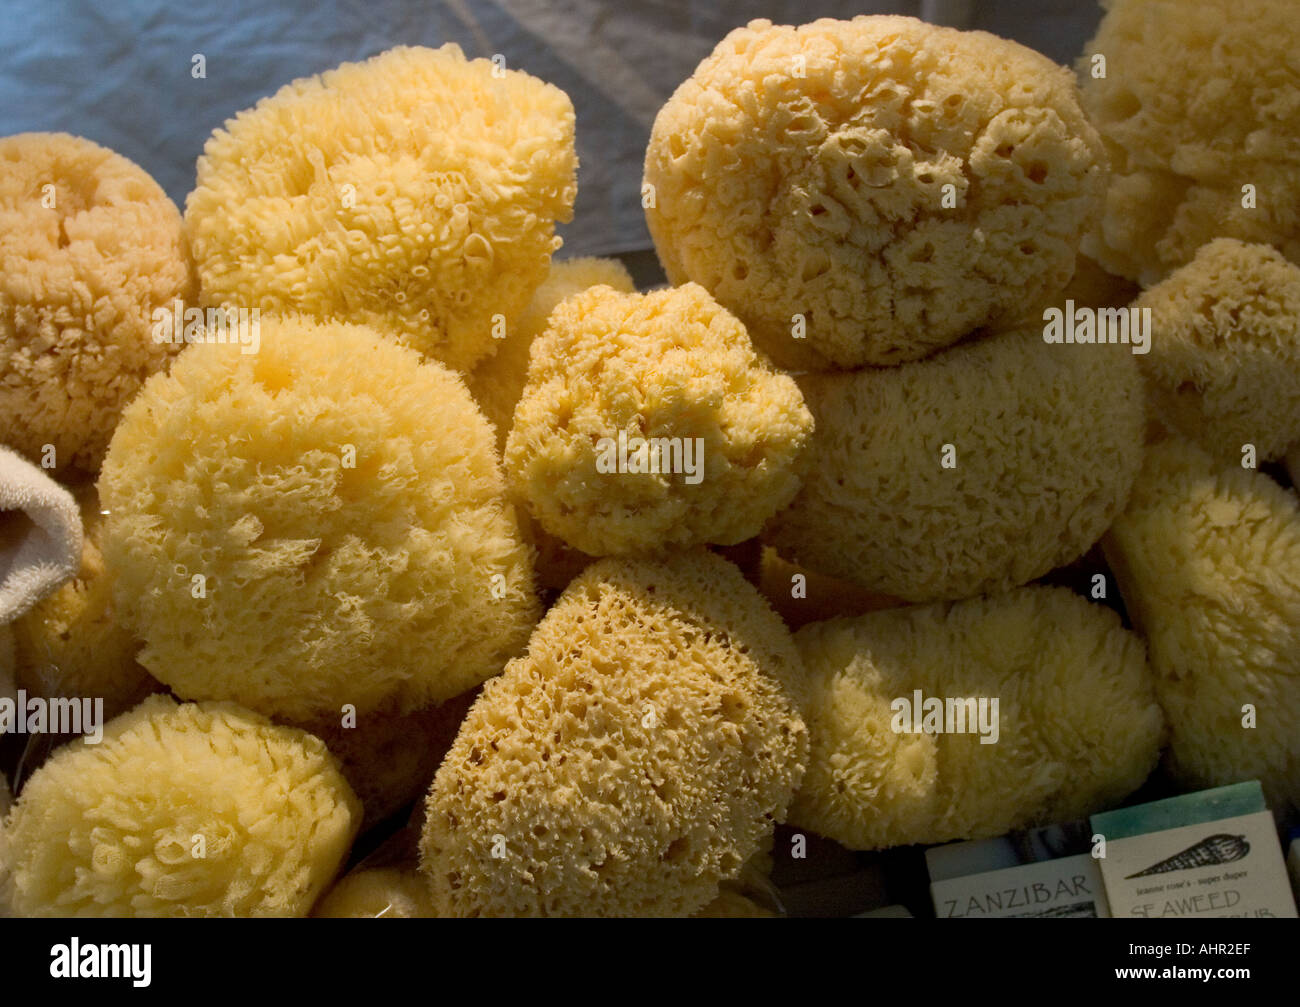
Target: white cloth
x=40, y=535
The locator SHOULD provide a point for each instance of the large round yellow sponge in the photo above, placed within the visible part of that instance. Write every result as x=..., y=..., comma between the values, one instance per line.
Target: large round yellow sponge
x=1207, y=556
x=319, y=523
x=978, y=469
x=90, y=246
x=416, y=192
x=1077, y=725
x=868, y=191
x=649, y=421
x=632, y=760
x=181, y=810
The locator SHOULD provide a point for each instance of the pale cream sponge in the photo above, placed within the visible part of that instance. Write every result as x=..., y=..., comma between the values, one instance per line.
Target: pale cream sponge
x=416, y=192
x=1224, y=366
x=978, y=469
x=869, y=191
x=1077, y=727
x=649, y=421
x=632, y=760
x=1195, y=102
x=90, y=247
x=1207, y=556
x=342, y=504
x=181, y=810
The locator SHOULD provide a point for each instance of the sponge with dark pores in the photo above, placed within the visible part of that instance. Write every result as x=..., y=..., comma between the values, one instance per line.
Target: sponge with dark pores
x=632, y=760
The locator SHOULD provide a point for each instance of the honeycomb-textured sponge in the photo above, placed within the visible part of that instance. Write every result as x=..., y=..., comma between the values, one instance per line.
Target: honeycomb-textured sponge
x=1207, y=557
x=1198, y=100
x=894, y=183
x=1224, y=366
x=90, y=246
x=416, y=192
x=1078, y=724
x=669, y=370
x=71, y=643
x=343, y=504
x=181, y=810
x=632, y=760
x=1046, y=440
x=378, y=893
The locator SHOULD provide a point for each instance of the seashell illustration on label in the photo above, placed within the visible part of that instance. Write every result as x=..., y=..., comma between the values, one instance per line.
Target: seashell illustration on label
x=1216, y=849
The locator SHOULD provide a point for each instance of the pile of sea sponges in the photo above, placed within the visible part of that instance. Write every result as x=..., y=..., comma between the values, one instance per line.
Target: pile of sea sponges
x=501, y=557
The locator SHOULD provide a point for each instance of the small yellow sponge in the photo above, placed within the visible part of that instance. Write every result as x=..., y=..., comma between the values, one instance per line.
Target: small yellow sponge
x=181, y=810
x=416, y=192
x=978, y=469
x=869, y=191
x=648, y=421
x=1207, y=556
x=1195, y=102
x=319, y=523
x=632, y=760
x=1077, y=723
x=90, y=246
x=1224, y=366
x=378, y=893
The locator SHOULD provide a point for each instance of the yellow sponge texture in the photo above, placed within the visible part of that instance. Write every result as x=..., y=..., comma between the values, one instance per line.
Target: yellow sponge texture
x=89, y=247
x=1198, y=100
x=1208, y=560
x=670, y=368
x=1078, y=724
x=113, y=829
x=1224, y=366
x=378, y=893
x=341, y=501
x=416, y=192
x=893, y=183
x=1045, y=442
x=632, y=760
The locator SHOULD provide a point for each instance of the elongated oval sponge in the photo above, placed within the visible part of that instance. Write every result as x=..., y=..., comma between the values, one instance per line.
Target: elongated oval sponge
x=649, y=421
x=90, y=246
x=868, y=191
x=319, y=523
x=632, y=760
x=416, y=192
x=1224, y=366
x=1195, y=102
x=979, y=469
x=1076, y=726
x=1207, y=557
x=181, y=810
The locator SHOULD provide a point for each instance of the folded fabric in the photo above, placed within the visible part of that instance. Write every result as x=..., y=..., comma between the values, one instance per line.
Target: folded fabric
x=40, y=535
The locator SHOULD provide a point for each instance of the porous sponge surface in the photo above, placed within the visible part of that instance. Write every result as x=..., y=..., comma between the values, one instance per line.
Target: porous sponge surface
x=1079, y=727
x=416, y=192
x=79, y=281
x=802, y=171
x=668, y=364
x=1197, y=101
x=1046, y=439
x=342, y=501
x=635, y=757
x=1208, y=560
x=112, y=829
x=1224, y=366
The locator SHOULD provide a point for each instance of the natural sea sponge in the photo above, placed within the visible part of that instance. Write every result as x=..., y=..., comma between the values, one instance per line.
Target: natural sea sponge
x=416, y=192
x=1224, y=366
x=1197, y=101
x=90, y=246
x=1078, y=727
x=112, y=829
x=1207, y=558
x=71, y=643
x=885, y=184
x=648, y=421
x=1045, y=442
x=632, y=760
x=378, y=893
x=341, y=502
